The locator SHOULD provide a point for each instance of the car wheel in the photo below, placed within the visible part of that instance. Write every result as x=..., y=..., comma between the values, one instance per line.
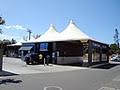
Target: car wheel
x=27, y=63
x=33, y=62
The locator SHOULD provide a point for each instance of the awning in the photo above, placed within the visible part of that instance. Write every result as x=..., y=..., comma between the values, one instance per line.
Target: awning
x=25, y=48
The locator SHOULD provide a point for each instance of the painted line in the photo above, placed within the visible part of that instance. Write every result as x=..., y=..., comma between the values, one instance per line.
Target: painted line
x=108, y=88
x=52, y=88
x=117, y=78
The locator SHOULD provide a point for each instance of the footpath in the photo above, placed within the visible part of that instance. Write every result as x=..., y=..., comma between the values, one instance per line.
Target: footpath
x=14, y=66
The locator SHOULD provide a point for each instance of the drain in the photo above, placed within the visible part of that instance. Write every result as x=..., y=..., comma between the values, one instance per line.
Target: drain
x=52, y=88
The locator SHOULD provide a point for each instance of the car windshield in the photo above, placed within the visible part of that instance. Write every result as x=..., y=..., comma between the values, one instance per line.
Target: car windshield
x=28, y=55
x=34, y=55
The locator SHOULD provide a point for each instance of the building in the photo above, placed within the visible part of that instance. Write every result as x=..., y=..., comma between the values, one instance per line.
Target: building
x=67, y=47
x=13, y=49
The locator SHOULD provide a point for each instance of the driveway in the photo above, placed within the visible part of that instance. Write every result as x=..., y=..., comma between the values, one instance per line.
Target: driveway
x=16, y=66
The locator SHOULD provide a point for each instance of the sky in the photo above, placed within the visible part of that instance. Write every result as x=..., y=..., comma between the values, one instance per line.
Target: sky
x=97, y=18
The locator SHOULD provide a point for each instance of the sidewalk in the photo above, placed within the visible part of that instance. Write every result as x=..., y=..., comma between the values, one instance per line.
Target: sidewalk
x=16, y=66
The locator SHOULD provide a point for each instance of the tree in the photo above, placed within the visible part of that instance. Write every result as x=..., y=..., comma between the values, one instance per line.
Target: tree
x=4, y=44
x=37, y=36
x=1, y=31
x=2, y=21
x=116, y=38
x=13, y=41
x=113, y=49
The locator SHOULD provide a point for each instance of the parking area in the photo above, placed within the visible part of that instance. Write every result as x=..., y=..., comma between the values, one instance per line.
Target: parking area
x=16, y=66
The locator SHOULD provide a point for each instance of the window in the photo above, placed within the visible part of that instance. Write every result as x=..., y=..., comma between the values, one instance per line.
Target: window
x=96, y=55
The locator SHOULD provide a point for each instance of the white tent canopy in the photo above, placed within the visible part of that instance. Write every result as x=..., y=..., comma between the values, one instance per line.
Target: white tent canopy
x=19, y=43
x=50, y=35
x=72, y=32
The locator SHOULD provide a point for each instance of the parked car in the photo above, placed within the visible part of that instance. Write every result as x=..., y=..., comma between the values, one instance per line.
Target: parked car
x=32, y=58
x=115, y=58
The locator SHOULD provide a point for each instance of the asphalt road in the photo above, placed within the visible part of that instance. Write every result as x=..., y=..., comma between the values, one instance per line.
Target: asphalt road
x=59, y=78
x=83, y=79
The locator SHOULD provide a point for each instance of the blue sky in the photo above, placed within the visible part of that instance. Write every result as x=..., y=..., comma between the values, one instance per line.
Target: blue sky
x=96, y=18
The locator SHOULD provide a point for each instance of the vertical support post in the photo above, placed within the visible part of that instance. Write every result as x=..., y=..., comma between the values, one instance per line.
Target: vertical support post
x=54, y=56
x=1, y=59
x=100, y=53
x=90, y=53
x=108, y=54
x=44, y=61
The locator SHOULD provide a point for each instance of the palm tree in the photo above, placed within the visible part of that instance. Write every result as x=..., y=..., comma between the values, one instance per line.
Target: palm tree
x=2, y=21
x=1, y=31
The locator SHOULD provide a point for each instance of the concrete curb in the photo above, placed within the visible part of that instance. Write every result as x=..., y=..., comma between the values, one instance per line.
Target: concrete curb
x=93, y=66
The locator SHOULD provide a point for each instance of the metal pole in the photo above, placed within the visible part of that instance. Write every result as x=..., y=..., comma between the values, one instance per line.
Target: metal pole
x=44, y=61
x=29, y=32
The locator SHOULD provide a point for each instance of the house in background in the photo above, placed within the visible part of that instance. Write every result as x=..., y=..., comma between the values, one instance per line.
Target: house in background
x=13, y=49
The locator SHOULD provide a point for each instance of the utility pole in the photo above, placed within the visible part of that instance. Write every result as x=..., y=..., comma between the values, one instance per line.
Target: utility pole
x=116, y=38
x=2, y=21
x=29, y=32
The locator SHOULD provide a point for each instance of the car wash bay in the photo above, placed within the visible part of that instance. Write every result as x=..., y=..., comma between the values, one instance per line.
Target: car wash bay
x=67, y=47
x=68, y=52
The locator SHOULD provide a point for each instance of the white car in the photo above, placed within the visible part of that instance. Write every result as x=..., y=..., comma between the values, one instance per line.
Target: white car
x=116, y=58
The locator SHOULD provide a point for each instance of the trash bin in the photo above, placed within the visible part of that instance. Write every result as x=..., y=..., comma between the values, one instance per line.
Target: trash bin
x=1, y=59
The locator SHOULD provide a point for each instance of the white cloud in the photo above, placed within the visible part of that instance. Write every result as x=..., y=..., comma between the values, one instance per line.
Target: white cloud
x=7, y=27
x=18, y=27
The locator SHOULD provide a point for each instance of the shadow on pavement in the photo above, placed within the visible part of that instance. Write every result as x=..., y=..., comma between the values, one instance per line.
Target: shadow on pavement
x=6, y=73
x=7, y=81
x=74, y=64
x=106, y=66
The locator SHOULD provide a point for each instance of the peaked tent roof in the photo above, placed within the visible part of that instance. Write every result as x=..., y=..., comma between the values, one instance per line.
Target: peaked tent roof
x=50, y=35
x=72, y=32
x=19, y=43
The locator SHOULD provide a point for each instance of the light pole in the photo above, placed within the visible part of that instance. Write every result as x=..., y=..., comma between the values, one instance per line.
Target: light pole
x=29, y=32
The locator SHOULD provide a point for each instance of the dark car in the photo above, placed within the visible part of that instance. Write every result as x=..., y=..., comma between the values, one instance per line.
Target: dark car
x=32, y=58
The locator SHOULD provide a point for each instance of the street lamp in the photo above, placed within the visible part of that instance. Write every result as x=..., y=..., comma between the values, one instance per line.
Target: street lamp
x=29, y=31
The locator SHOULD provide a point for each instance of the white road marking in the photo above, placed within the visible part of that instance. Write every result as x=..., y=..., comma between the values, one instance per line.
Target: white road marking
x=52, y=88
x=108, y=88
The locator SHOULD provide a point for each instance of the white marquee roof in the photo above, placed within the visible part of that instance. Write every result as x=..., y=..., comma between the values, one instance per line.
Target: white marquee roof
x=72, y=32
x=50, y=35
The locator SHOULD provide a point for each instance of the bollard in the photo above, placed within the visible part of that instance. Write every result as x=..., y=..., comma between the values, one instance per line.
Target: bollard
x=44, y=61
x=1, y=59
